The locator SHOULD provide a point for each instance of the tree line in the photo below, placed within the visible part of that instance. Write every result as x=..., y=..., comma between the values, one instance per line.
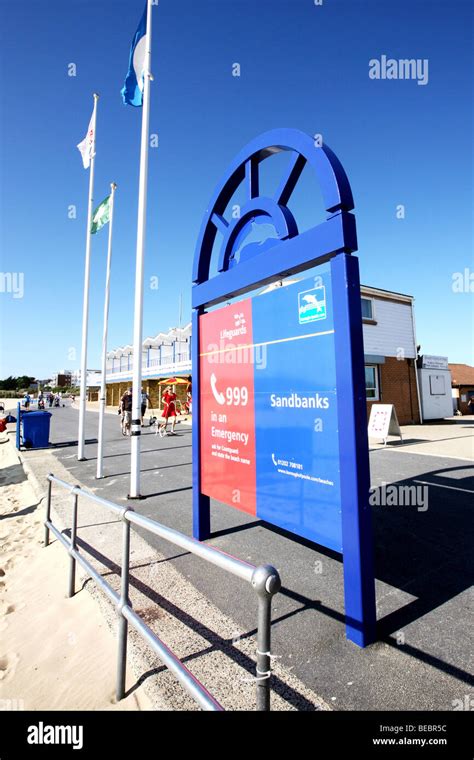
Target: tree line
x=20, y=383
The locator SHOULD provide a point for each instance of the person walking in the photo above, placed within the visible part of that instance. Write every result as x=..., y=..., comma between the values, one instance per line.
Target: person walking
x=126, y=411
x=144, y=404
x=26, y=400
x=169, y=410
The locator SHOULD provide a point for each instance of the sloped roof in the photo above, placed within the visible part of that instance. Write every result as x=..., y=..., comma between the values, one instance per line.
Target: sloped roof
x=179, y=334
x=462, y=374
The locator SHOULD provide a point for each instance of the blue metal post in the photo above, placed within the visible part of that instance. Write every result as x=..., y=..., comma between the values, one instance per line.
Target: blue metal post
x=159, y=354
x=359, y=590
x=18, y=422
x=201, y=503
x=148, y=356
x=174, y=352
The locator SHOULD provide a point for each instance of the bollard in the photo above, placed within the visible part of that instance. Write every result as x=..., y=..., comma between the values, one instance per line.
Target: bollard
x=72, y=566
x=266, y=582
x=124, y=601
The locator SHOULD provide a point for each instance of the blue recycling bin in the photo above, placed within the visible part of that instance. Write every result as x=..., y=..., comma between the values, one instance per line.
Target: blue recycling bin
x=36, y=429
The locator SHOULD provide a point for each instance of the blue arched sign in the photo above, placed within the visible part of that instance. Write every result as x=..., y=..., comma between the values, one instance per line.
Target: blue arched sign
x=279, y=409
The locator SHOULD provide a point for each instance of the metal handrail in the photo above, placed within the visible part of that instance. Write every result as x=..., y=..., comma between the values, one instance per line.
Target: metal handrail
x=264, y=579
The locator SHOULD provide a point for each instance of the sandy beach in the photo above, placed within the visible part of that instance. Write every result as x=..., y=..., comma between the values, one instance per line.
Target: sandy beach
x=56, y=653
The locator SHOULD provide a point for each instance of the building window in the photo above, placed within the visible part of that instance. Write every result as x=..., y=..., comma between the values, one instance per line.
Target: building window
x=437, y=385
x=371, y=382
x=367, y=308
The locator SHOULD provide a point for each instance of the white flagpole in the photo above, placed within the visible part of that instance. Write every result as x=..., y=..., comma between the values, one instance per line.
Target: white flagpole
x=103, y=386
x=139, y=273
x=85, y=309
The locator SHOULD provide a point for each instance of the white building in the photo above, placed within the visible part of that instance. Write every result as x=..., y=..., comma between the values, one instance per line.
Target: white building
x=389, y=348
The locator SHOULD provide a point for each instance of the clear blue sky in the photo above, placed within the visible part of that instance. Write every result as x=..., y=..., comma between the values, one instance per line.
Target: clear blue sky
x=302, y=66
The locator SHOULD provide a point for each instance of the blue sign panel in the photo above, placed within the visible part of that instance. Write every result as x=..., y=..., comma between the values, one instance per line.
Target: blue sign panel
x=296, y=410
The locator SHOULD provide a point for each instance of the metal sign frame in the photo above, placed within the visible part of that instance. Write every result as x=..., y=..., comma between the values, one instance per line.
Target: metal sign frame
x=333, y=240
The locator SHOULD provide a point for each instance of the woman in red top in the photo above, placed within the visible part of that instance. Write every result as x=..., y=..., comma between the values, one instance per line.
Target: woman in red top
x=169, y=401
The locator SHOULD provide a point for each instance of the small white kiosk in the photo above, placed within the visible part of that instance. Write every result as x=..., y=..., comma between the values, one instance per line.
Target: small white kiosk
x=434, y=380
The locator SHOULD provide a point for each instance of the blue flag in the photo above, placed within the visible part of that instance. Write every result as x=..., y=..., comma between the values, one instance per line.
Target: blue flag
x=132, y=91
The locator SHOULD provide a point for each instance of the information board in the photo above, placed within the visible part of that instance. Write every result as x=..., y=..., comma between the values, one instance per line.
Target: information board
x=383, y=422
x=434, y=362
x=269, y=420
x=279, y=400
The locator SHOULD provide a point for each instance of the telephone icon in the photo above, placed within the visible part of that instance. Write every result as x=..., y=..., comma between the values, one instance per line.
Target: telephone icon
x=219, y=397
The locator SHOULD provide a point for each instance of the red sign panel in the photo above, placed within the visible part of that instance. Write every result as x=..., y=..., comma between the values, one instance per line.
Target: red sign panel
x=228, y=466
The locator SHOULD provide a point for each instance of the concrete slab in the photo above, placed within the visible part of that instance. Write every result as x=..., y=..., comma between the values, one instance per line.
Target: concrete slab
x=453, y=437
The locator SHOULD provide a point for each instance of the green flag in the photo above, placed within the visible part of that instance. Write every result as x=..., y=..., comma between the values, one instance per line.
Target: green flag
x=101, y=215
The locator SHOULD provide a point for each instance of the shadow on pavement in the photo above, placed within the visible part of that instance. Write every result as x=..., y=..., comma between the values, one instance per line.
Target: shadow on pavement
x=164, y=493
x=143, y=451
x=416, y=441
x=149, y=469
x=425, y=549
x=68, y=444
x=422, y=548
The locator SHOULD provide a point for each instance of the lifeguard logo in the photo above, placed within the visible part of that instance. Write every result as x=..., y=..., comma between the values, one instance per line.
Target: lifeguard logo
x=238, y=329
x=312, y=305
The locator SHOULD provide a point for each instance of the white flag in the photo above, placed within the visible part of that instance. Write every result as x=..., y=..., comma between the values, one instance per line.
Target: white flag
x=86, y=147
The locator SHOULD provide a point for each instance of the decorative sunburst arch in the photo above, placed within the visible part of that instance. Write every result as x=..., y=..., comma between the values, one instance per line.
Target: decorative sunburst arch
x=303, y=151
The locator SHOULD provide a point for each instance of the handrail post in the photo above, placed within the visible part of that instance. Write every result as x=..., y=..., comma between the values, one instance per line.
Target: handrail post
x=266, y=582
x=48, y=513
x=124, y=601
x=72, y=565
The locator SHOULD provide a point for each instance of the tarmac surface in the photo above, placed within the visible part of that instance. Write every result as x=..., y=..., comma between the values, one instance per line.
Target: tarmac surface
x=423, y=565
